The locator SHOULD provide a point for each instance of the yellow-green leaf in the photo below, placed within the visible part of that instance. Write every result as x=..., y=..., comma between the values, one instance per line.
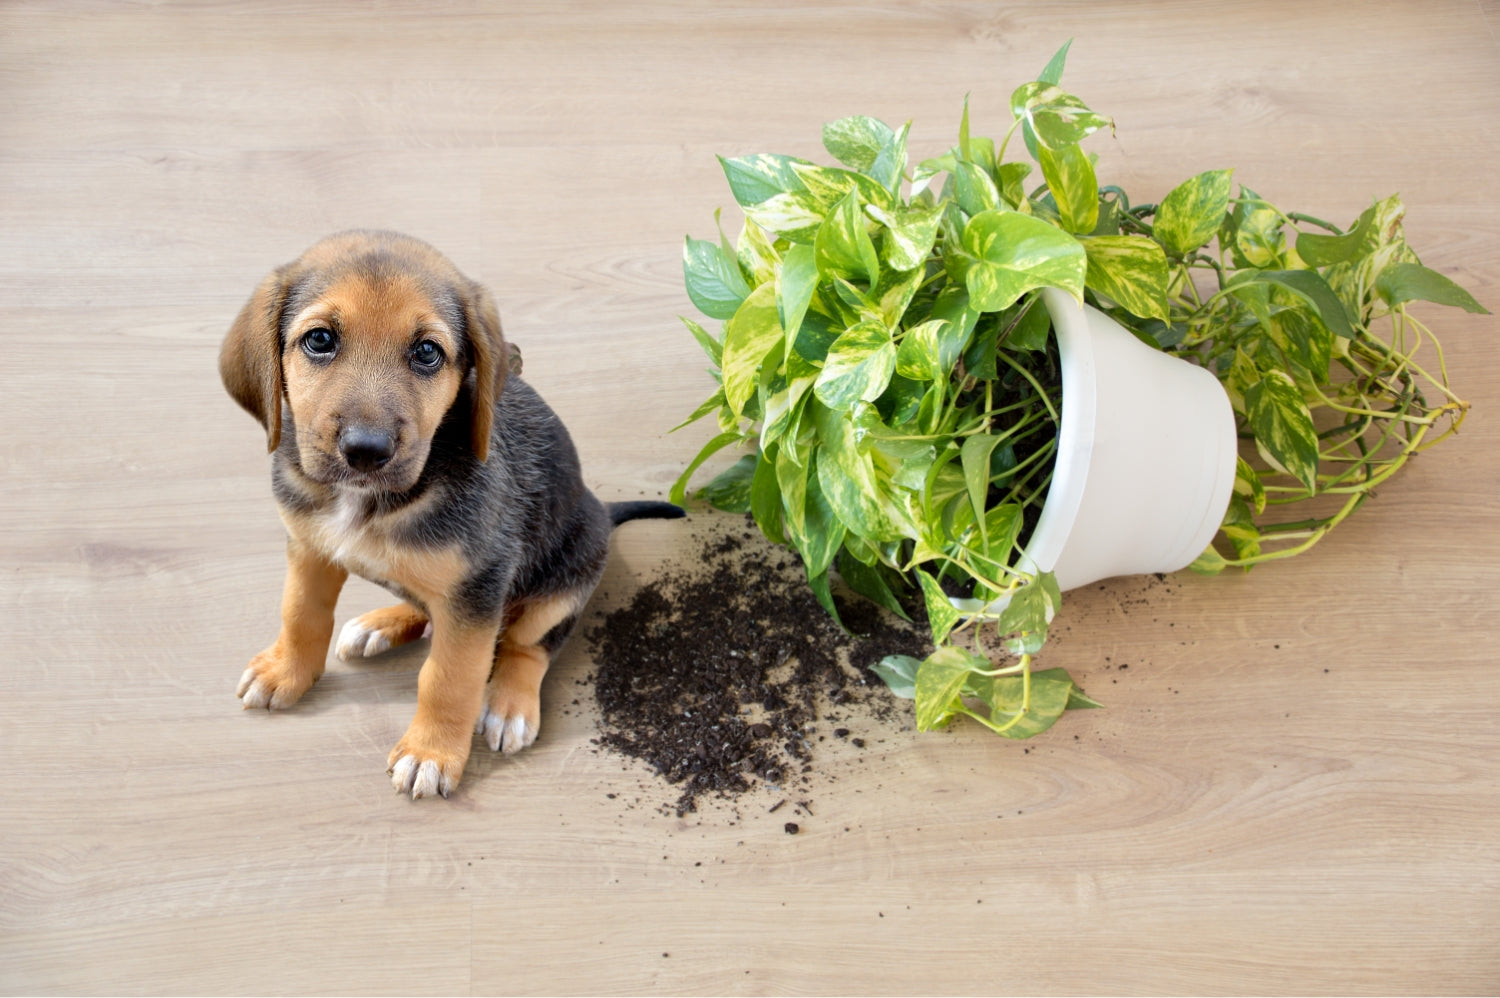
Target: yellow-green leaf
x=1191, y=214
x=1131, y=271
x=749, y=336
x=1070, y=178
x=1283, y=426
x=1016, y=253
x=858, y=367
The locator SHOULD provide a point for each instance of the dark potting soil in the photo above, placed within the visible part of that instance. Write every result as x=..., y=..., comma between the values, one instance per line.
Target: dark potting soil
x=725, y=672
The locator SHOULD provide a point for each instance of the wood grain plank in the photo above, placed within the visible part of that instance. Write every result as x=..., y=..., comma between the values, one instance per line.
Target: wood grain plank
x=1293, y=785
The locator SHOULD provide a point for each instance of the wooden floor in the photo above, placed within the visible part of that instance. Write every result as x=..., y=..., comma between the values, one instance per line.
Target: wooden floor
x=1296, y=784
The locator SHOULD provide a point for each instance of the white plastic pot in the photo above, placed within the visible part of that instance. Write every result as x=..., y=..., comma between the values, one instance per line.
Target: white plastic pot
x=1145, y=457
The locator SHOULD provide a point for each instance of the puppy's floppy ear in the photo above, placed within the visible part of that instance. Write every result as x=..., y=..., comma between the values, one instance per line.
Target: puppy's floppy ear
x=250, y=360
x=492, y=363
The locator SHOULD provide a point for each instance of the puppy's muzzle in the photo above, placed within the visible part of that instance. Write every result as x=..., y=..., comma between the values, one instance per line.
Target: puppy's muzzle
x=366, y=449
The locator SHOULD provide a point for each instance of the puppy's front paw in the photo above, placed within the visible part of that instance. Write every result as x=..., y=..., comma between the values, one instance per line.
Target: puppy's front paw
x=274, y=681
x=423, y=766
x=381, y=630
x=510, y=722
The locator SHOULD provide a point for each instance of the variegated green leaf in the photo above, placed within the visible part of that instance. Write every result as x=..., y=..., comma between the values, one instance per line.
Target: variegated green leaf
x=941, y=614
x=1190, y=215
x=843, y=246
x=1056, y=118
x=757, y=253
x=894, y=293
x=869, y=146
x=795, y=216
x=867, y=580
x=765, y=496
x=953, y=305
x=1210, y=562
x=975, y=189
x=1248, y=485
x=1070, y=177
x=1030, y=609
x=927, y=351
x=829, y=185
x=1012, y=184
x=1253, y=295
x=1355, y=282
x=1283, y=426
x=909, y=233
x=1305, y=339
x=858, y=367
x=1029, y=332
x=796, y=279
x=849, y=480
x=755, y=179
x=1131, y=271
x=889, y=167
x=749, y=336
x=1240, y=529
x=940, y=680
x=823, y=530
x=781, y=410
x=974, y=455
x=1310, y=287
x=1050, y=692
x=706, y=340
x=1016, y=253
x=791, y=478
x=1257, y=239
x=713, y=278
x=1002, y=526
x=857, y=141
x=713, y=403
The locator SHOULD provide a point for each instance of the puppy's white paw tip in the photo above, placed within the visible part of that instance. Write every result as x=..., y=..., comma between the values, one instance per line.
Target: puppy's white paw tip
x=518, y=735
x=491, y=726
x=358, y=641
x=427, y=782
x=403, y=773
x=508, y=735
x=253, y=693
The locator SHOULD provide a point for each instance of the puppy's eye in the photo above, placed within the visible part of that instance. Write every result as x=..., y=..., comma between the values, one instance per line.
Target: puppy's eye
x=427, y=356
x=320, y=343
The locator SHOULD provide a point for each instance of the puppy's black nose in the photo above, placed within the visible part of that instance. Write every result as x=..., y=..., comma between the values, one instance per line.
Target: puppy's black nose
x=366, y=449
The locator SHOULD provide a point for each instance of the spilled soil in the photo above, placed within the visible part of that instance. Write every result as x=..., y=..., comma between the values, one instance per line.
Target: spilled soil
x=725, y=673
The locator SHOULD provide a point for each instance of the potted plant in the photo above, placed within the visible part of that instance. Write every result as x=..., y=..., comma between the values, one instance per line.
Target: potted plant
x=900, y=358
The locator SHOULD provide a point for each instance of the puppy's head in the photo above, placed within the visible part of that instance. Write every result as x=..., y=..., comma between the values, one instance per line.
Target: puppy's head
x=368, y=338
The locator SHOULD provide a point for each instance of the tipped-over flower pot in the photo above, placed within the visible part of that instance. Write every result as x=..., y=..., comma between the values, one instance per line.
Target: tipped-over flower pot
x=1145, y=457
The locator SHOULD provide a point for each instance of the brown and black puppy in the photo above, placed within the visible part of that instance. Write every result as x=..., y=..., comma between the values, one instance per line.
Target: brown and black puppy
x=406, y=452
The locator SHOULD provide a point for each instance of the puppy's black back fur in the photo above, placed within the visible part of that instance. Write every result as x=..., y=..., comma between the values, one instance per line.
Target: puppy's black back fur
x=527, y=524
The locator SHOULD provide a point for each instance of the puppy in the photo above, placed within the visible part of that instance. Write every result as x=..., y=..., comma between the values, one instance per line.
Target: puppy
x=405, y=451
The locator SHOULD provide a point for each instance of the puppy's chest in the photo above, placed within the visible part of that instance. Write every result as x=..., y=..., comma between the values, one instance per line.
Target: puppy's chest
x=349, y=533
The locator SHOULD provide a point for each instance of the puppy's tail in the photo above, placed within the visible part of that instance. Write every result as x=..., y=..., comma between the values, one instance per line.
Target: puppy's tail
x=619, y=512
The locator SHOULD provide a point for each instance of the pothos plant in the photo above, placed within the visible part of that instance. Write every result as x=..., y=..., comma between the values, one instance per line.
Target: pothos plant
x=886, y=364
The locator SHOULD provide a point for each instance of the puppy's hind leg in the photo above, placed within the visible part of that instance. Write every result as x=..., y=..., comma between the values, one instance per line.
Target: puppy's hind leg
x=371, y=633
x=512, y=714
